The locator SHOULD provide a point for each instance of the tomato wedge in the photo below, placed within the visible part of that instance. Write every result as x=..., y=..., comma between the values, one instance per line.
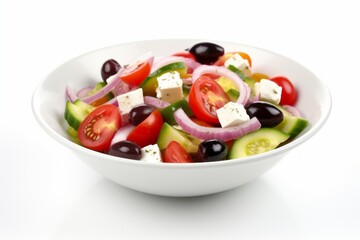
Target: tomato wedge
x=288, y=93
x=175, y=153
x=99, y=127
x=205, y=97
x=136, y=73
x=148, y=130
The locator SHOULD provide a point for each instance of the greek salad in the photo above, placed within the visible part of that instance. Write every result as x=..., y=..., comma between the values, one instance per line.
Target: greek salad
x=201, y=104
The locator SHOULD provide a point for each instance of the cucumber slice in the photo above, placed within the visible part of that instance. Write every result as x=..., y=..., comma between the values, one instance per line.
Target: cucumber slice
x=259, y=141
x=150, y=84
x=168, y=134
x=168, y=112
x=76, y=112
x=291, y=125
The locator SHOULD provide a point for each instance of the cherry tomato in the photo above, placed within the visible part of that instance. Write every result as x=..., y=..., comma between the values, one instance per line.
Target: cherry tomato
x=148, y=130
x=288, y=93
x=185, y=54
x=175, y=153
x=226, y=56
x=136, y=73
x=98, y=128
x=205, y=97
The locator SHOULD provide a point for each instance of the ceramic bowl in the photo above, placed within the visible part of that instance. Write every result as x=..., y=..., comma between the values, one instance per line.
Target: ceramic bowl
x=180, y=180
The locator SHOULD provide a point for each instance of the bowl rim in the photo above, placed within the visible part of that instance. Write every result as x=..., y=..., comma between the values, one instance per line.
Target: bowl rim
x=36, y=100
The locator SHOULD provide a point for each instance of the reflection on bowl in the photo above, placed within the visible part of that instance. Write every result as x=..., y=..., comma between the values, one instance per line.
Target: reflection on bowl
x=176, y=179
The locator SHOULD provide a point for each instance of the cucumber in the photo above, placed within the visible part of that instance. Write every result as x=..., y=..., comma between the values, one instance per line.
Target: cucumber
x=169, y=133
x=76, y=112
x=150, y=84
x=291, y=125
x=259, y=141
x=168, y=112
x=73, y=134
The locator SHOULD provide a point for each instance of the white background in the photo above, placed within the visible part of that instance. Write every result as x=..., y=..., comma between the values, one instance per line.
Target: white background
x=46, y=192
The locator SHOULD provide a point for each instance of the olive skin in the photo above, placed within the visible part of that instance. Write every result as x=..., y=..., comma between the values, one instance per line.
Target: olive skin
x=206, y=52
x=267, y=114
x=126, y=149
x=139, y=113
x=212, y=150
x=109, y=68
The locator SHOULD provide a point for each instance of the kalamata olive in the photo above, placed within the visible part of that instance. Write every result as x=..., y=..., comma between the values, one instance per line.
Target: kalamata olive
x=139, y=113
x=212, y=150
x=126, y=149
x=267, y=114
x=109, y=68
x=206, y=52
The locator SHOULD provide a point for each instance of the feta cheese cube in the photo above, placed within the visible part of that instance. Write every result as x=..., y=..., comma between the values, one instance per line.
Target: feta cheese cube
x=268, y=90
x=232, y=114
x=151, y=154
x=240, y=63
x=129, y=100
x=170, y=87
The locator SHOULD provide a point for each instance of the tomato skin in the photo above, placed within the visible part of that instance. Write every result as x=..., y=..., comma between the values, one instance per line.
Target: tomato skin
x=99, y=127
x=148, y=130
x=288, y=93
x=226, y=56
x=136, y=73
x=185, y=54
x=205, y=96
x=175, y=153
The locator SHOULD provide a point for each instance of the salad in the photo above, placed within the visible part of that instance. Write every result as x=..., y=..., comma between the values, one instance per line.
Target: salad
x=198, y=105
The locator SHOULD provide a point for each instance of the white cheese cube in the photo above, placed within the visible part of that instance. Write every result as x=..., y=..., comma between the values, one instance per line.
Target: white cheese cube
x=240, y=63
x=151, y=154
x=129, y=100
x=170, y=87
x=268, y=91
x=232, y=114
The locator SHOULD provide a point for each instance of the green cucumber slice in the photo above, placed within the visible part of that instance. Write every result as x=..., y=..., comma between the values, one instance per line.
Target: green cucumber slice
x=150, y=84
x=168, y=112
x=291, y=125
x=169, y=133
x=259, y=141
x=76, y=112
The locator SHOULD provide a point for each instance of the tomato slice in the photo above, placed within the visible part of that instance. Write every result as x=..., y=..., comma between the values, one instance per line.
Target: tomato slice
x=205, y=97
x=175, y=153
x=226, y=56
x=99, y=127
x=136, y=73
x=288, y=93
x=148, y=130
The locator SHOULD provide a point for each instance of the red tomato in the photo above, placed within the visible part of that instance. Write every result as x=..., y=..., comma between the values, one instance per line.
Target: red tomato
x=288, y=93
x=98, y=128
x=205, y=97
x=136, y=73
x=226, y=56
x=185, y=54
x=175, y=153
x=147, y=131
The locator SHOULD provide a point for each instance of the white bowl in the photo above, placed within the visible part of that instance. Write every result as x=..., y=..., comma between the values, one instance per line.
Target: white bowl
x=176, y=179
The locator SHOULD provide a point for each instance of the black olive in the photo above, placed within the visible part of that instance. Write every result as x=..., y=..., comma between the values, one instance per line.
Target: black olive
x=267, y=114
x=206, y=52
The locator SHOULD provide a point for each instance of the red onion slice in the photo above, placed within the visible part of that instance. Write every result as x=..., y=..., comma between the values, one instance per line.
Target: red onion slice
x=70, y=95
x=293, y=110
x=84, y=92
x=153, y=101
x=206, y=133
x=122, y=133
x=206, y=69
